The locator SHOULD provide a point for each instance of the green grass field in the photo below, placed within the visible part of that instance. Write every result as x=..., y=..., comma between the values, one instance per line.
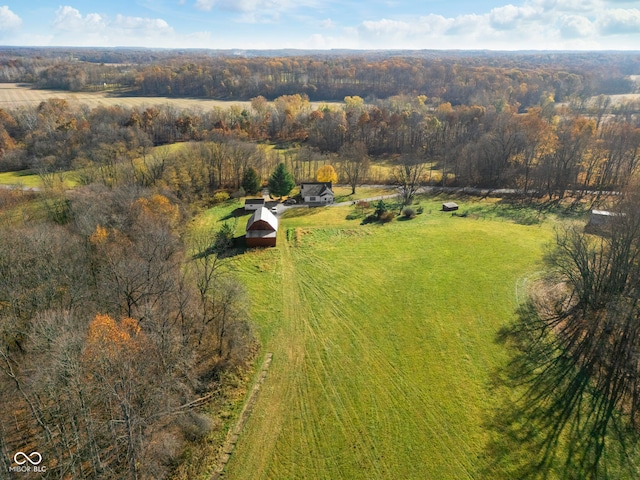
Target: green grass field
x=383, y=341
x=24, y=178
x=29, y=179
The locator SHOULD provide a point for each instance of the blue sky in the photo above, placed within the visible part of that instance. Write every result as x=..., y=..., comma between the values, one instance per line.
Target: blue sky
x=325, y=24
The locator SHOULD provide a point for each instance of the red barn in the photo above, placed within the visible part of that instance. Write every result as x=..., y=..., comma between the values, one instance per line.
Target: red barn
x=262, y=229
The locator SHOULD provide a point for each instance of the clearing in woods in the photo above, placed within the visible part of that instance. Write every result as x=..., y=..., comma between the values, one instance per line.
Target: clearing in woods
x=384, y=343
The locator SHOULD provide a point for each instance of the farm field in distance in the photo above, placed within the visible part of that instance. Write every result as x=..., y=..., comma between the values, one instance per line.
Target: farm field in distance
x=383, y=341
x=13, y=95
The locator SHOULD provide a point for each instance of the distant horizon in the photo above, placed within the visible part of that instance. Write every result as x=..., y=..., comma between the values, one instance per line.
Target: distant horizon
x=325, y=25
x=319, y=50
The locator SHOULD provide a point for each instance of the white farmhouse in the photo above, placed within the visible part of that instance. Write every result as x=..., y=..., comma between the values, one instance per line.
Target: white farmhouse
x=317, y=193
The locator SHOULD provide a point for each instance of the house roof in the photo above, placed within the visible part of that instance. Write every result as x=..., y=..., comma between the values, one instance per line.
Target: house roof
x=262, y=219
x=254, y=201
x=317, y=189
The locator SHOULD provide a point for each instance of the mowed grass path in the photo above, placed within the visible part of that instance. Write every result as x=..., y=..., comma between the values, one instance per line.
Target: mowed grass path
x=383, y=341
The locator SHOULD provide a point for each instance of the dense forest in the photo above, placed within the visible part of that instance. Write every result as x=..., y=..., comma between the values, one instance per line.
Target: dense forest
x=116, y=324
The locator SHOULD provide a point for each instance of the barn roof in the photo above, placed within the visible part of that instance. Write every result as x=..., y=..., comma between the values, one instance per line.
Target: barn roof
x=254, y=201
x=268, y=220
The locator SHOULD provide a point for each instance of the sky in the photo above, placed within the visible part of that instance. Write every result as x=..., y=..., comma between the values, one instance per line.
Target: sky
x=325, y=24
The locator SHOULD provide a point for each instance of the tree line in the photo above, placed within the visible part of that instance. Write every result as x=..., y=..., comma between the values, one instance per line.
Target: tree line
x=455, y=77
x=546, y=151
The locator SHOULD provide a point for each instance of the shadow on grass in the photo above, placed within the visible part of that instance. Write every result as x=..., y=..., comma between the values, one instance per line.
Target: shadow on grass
x=237, y=213
x=302, y=212
x=550, y=421
x=526, y=211
x=403, y=218
x=238, y=247
x=344, y=198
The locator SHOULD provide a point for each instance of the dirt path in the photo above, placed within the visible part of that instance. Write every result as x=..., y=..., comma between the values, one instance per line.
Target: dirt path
x=282, y=393
x=234, y=433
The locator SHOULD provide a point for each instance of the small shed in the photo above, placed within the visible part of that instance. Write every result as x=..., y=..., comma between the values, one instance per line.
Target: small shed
x=449, y=207
x=318, y=193
x=253, y=204
x=262, y=229
x=602, y=218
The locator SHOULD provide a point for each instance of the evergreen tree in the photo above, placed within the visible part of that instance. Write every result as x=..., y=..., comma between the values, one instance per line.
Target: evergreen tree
x=251, y=181
x=281, y=181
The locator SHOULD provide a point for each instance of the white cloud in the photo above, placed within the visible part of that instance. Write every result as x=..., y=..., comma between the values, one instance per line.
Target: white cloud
x=576, y=26
x=510, y=17
x=8, y=19
x=620, y=21
x=142, y=26
x=567, y=6
x=69, y=19
x=428, y=25
x=535, y=24
x=258, y=11
x=70, y=27
x=255, y=6
x=327, y=24
x=468, y=25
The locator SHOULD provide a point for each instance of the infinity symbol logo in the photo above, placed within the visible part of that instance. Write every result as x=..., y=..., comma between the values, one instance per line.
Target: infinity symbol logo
x=27, y=458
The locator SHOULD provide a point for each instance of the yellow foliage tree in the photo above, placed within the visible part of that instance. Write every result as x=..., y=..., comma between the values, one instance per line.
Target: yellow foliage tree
x=99, y=236
x=327, y=173
x=159, y=207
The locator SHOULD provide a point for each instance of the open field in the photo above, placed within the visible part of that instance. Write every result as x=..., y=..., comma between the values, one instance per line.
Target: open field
x=29, y=179
x=383, y=341
x=24, y=178
x=14, y=95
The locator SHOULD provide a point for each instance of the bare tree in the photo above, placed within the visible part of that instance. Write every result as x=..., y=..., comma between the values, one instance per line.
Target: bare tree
x=409, y=174
x=579, y=353
x=353, y=163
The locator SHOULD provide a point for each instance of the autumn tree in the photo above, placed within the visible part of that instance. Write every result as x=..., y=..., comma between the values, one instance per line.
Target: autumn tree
x=122, y=370
x=281, y=182
x=538, y=141
x=326, y=173
x=559, y=169
x=619, y=147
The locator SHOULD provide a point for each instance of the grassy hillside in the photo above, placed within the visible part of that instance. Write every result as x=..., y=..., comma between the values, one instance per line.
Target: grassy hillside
x=383, y=341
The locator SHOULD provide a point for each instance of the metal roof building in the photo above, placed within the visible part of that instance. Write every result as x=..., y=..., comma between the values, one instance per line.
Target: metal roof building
x=262, y=229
